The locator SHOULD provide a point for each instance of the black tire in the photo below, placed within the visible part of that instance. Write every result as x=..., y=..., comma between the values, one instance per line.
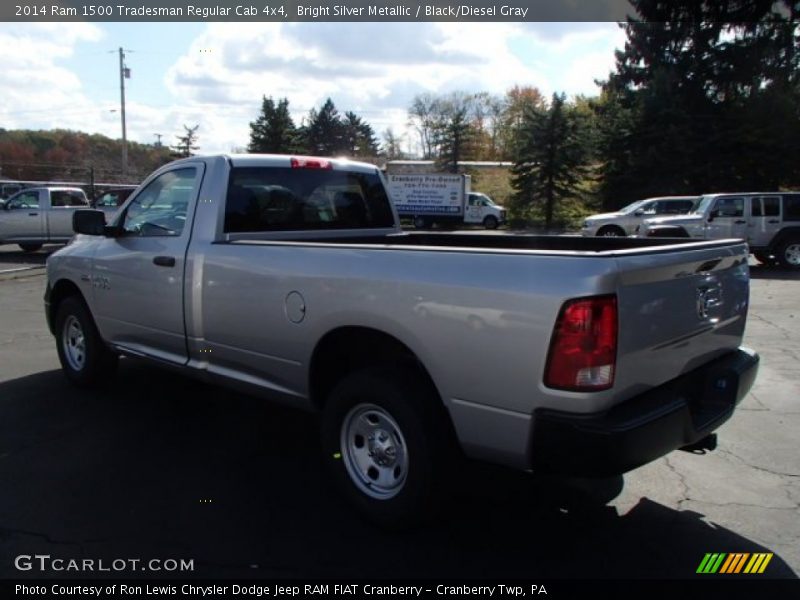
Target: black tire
x=30, y=247
x=417, y=448
x=421, y=222
x=788, y=254
x=98, y=363
x=610, y=231
x=490, y=222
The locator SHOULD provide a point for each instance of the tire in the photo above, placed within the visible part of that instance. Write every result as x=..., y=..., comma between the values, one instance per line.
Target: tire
x=788, y=254
x=387, y=445
x=610, y=231
x=85, y=359
x=30, y=247
x=490, y=222
x=421, y=223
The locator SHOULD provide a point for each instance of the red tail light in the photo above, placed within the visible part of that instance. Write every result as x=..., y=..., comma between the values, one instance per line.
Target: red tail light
x=583, y=351
x=302, y=162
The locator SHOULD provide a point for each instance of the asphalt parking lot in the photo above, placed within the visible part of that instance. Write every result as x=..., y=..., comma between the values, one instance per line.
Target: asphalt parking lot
x=159, y=466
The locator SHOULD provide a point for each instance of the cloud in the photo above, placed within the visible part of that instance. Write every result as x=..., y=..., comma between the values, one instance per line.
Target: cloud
x=372, y=69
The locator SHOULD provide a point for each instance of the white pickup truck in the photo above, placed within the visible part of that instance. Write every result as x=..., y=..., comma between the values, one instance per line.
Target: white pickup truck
x=290, y=278
x=40, y=215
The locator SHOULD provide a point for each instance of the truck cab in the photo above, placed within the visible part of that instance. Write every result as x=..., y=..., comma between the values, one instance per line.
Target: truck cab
x=482, y=210
x=768, y=221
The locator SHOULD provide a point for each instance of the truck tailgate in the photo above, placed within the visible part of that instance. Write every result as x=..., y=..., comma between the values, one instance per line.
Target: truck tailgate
x=678, y=310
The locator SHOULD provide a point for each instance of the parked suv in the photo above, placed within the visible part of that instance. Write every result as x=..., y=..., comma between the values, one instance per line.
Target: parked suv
x=624, y=221
x=769, y=221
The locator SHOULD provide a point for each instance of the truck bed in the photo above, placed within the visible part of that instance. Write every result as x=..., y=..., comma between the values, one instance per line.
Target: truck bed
x=550, y=244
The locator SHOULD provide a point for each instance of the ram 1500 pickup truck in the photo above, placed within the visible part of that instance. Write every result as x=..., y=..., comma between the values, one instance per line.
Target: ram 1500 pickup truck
x=289, y=277
x=41, y=215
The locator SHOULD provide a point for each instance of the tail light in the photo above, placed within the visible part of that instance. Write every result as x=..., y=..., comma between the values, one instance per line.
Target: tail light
x=583, y=351
x=303, y=162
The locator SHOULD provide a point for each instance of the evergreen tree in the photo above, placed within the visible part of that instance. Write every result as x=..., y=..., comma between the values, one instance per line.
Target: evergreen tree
x=187, y=143
x=358, y=136
x=324, y=133
x=708, y=95
x=552, y=157
x=273, y=131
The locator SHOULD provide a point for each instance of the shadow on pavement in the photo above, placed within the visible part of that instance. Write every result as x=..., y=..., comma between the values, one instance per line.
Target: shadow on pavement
x=773, y=272
x=11, y=254
x=160, y=466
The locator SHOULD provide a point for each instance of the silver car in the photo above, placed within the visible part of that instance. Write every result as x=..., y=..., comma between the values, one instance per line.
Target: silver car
x=625, y=221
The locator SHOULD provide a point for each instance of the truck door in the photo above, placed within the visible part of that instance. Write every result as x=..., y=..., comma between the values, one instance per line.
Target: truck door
x=137, y=278
x=23, y=217
x=765, y=220
x=727, y=218
x=474, y=212
x=59, y=214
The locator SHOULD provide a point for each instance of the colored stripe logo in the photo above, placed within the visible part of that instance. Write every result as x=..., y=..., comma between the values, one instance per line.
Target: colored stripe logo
x=735, y=562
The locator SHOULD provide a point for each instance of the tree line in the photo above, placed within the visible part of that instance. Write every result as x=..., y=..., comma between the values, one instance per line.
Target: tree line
x=704, y=97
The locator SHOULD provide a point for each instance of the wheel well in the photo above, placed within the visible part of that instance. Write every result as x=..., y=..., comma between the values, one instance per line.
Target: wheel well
x=348, y=349
x=671, y=231
x=61, y=290
x=611, y=226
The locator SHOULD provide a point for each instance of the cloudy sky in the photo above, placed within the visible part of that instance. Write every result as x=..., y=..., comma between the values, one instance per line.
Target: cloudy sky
x=66, y=75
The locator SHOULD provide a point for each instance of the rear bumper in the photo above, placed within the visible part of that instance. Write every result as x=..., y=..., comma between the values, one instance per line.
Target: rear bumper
x=642, y=429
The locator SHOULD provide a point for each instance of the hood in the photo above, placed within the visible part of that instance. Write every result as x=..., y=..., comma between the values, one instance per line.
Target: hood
x=605, y=216
x=674, y=220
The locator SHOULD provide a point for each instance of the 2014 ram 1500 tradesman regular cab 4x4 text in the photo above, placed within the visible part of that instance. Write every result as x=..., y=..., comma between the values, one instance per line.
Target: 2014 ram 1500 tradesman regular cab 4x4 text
x=290, y=277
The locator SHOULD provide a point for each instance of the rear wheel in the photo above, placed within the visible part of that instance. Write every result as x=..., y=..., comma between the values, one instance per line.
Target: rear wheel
x=421, y=222
x=387, y=442
x=611, y=231
x=84, y=357
x=789, y=254
x=30, y=247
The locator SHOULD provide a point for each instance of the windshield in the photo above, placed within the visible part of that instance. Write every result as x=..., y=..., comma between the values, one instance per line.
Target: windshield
x=631, y=207
x=702, y=205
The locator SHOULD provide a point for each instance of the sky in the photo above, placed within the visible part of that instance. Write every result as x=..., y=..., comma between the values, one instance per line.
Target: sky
x=66, y=75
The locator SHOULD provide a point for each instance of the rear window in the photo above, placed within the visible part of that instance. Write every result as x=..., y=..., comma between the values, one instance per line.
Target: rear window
x=67, y=198
x=791, y=208
x=286, y=199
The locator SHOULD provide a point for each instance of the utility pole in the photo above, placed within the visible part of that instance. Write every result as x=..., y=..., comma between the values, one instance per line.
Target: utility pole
x=124, y=73
x=158, y=139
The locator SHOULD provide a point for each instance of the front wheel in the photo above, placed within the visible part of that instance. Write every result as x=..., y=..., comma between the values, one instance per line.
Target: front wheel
x=421, y=223
x=84, y=357
x=789, y=254
x=490, y=222
x=611, y=231
x=386, y=443
x=30, y=247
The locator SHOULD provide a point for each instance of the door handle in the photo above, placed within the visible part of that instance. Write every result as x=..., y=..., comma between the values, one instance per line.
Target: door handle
x=164, y=261
x=33, y=214
x=739, y=222
x=773, y=221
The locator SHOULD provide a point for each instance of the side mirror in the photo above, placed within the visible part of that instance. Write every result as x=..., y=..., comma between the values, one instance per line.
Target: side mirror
x=713, y=215
x=638, y=213
x=89, y=222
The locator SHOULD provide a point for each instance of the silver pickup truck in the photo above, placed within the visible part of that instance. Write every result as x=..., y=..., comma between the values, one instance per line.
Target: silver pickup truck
x=40, y=215
x=289, y=278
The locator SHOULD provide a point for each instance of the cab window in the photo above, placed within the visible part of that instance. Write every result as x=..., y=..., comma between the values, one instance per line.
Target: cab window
x=67, y=199
x=24, y=200
x=729, y=207
x=160, y=208
x=285, y=199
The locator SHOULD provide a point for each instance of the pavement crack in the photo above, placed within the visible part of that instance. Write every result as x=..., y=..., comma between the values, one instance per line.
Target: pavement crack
x=756, y=467
x=681, y=481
